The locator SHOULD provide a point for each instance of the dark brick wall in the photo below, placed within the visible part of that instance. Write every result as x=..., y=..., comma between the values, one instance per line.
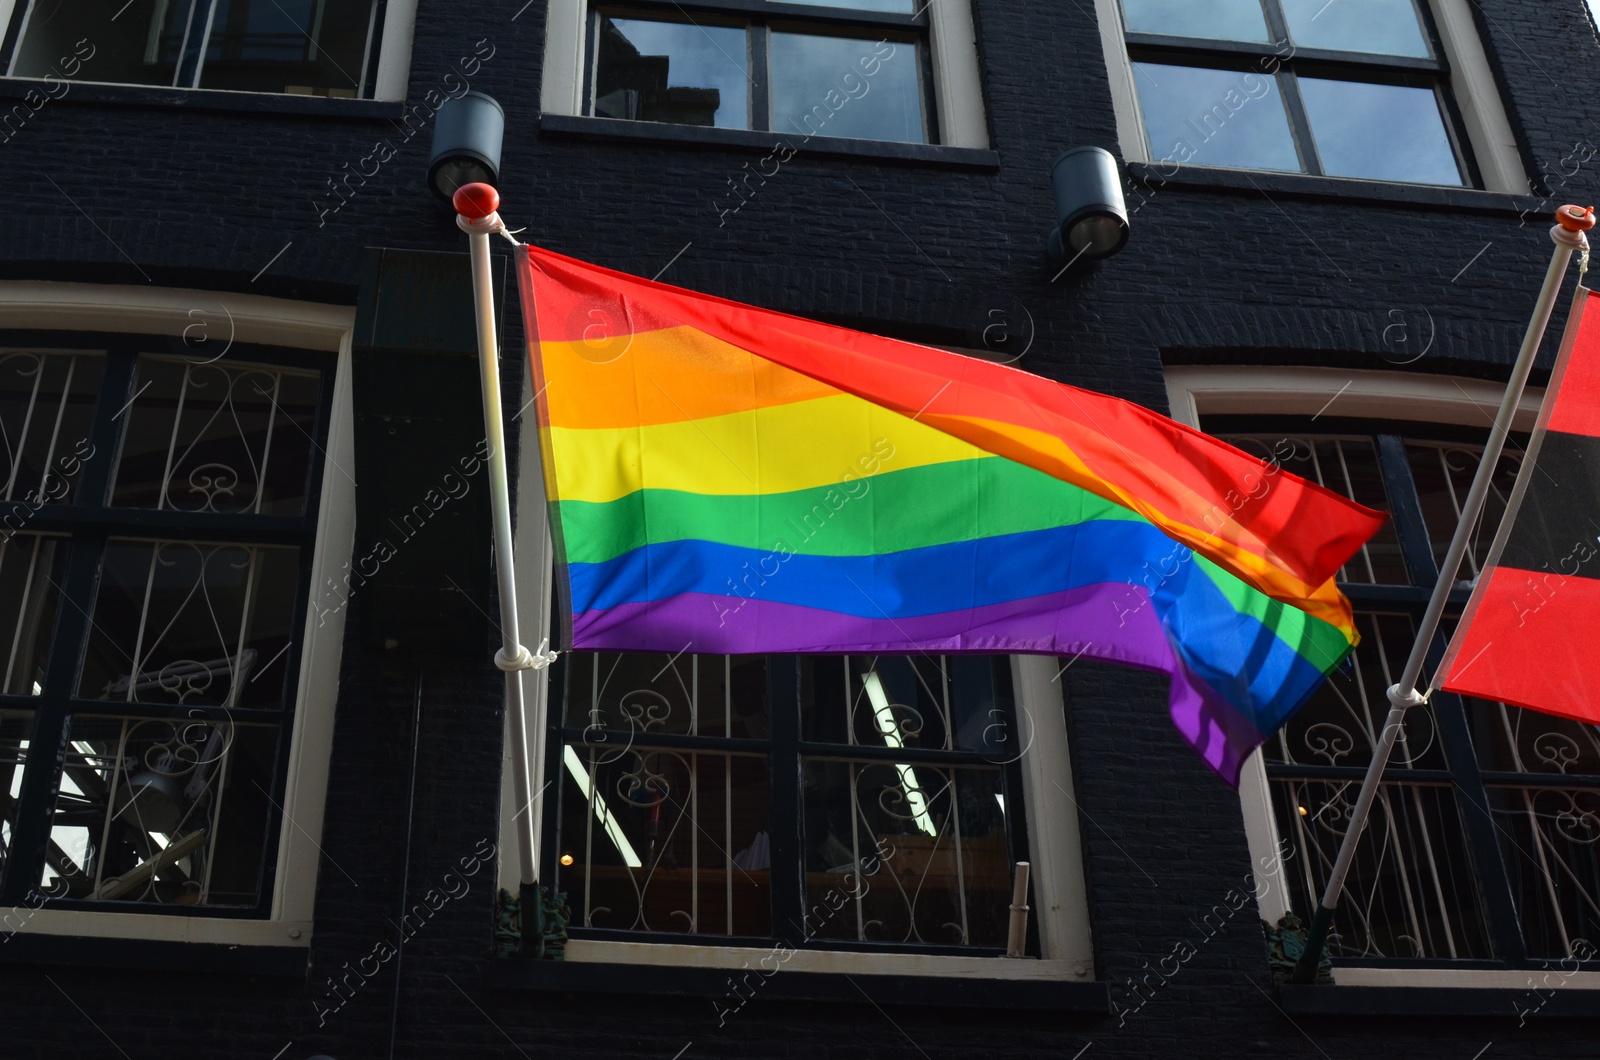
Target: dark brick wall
x=190, y=196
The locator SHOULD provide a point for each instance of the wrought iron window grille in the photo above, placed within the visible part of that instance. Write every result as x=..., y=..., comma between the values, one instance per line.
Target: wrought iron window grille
x=1484, y=845
x=151, y=616
x=830, y=802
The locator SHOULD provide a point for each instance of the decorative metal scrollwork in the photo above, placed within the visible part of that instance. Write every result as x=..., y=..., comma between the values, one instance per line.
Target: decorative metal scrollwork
x=1557, y=751
x=231, y=392
x=1329, y=742
x=211, y=481
x=643, y=779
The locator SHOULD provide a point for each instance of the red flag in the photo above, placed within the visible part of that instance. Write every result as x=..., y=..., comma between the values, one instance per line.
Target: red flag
x=1531, y=633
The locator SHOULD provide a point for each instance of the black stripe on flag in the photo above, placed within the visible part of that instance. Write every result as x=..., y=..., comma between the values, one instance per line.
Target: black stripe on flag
x=1557, y=527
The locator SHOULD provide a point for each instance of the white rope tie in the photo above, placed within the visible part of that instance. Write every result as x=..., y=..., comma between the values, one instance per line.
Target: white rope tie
x=525, y=659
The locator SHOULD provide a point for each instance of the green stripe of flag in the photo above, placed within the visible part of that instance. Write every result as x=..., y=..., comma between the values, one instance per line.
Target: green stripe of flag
x=892, y=511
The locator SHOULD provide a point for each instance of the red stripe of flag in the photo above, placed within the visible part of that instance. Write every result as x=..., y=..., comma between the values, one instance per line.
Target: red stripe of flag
x=1533, y=643
x=1531, y=633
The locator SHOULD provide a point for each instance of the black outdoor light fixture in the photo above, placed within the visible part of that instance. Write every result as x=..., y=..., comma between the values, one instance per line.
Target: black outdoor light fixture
x=1091, y=217
x=467, y=134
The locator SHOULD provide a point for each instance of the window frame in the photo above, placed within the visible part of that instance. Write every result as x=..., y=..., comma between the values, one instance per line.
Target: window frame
x=1060, y=913
x=955, y=114
x=386, y=65
x=316, y=331
x=1381, y=398
x=1474, y=114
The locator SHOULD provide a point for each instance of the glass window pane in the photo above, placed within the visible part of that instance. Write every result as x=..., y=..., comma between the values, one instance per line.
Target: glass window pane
x=174, y=812
x=939, y=702
x=1443, y=474
x=1208, y=19
x=47, y=400
x=1411, y=892
x=672, y=72
x=671, y=841
x=905, y=853
x=616, y=698
x=15, y=726
x=895, y=7
x=303, y=47
x=218, y=437
x=1513, y=740
x=1382, y=27
x=29, y=599
x=192, y=623
x=1381, y=132
x=845, y=86
x=1550, y=839
x=133, y=43
x=1215, y=117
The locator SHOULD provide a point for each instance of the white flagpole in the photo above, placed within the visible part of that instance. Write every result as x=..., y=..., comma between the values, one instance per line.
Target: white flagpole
x=1568, y=236
x=476, y=206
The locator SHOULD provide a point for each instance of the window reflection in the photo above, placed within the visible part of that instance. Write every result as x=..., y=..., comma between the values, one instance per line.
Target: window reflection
x=897, y=7
x=305, y=47
x=845, y=86
x=672, y=72
x=298, y=46
x=1217, y=20
x=133, y=43
x=1381, y=132
x=1380, y=27
x=1215, y=117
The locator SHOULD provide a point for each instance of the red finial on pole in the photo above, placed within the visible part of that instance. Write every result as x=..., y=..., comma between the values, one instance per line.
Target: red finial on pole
x=1572, y=218
x=475, y=201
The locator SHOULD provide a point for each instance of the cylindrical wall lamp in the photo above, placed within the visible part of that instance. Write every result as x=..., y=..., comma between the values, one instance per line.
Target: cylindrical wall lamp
x=1091, y=216
x=467, y=134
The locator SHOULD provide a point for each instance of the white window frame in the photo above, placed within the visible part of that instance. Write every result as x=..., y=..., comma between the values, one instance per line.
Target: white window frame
x=269, y=321
x=958, y=90
x=1483, y=113
x=1195, y=391
x=1060, y=898
x=394, y=53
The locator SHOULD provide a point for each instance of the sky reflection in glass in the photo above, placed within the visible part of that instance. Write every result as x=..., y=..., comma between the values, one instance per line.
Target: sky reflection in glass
x=1382, y=132
x=1215, y=117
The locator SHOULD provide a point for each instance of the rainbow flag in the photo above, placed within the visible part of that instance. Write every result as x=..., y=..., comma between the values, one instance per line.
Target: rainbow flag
x=726, y=479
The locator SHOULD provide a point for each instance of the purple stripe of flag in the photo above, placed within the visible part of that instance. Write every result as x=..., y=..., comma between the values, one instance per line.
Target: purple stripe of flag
x=1083, y=621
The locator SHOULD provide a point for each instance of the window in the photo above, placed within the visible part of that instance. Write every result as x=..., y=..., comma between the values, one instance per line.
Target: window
x=888, y=70
x=1483, y=840
x=806, y=78
x=678, y=809
x=165, y=519
x=1399, y=91
x=786, y=753
x=299, y=47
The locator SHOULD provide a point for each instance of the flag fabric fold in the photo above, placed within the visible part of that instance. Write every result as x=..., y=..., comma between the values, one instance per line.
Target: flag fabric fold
x=727, y=479
x=1529, y=633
